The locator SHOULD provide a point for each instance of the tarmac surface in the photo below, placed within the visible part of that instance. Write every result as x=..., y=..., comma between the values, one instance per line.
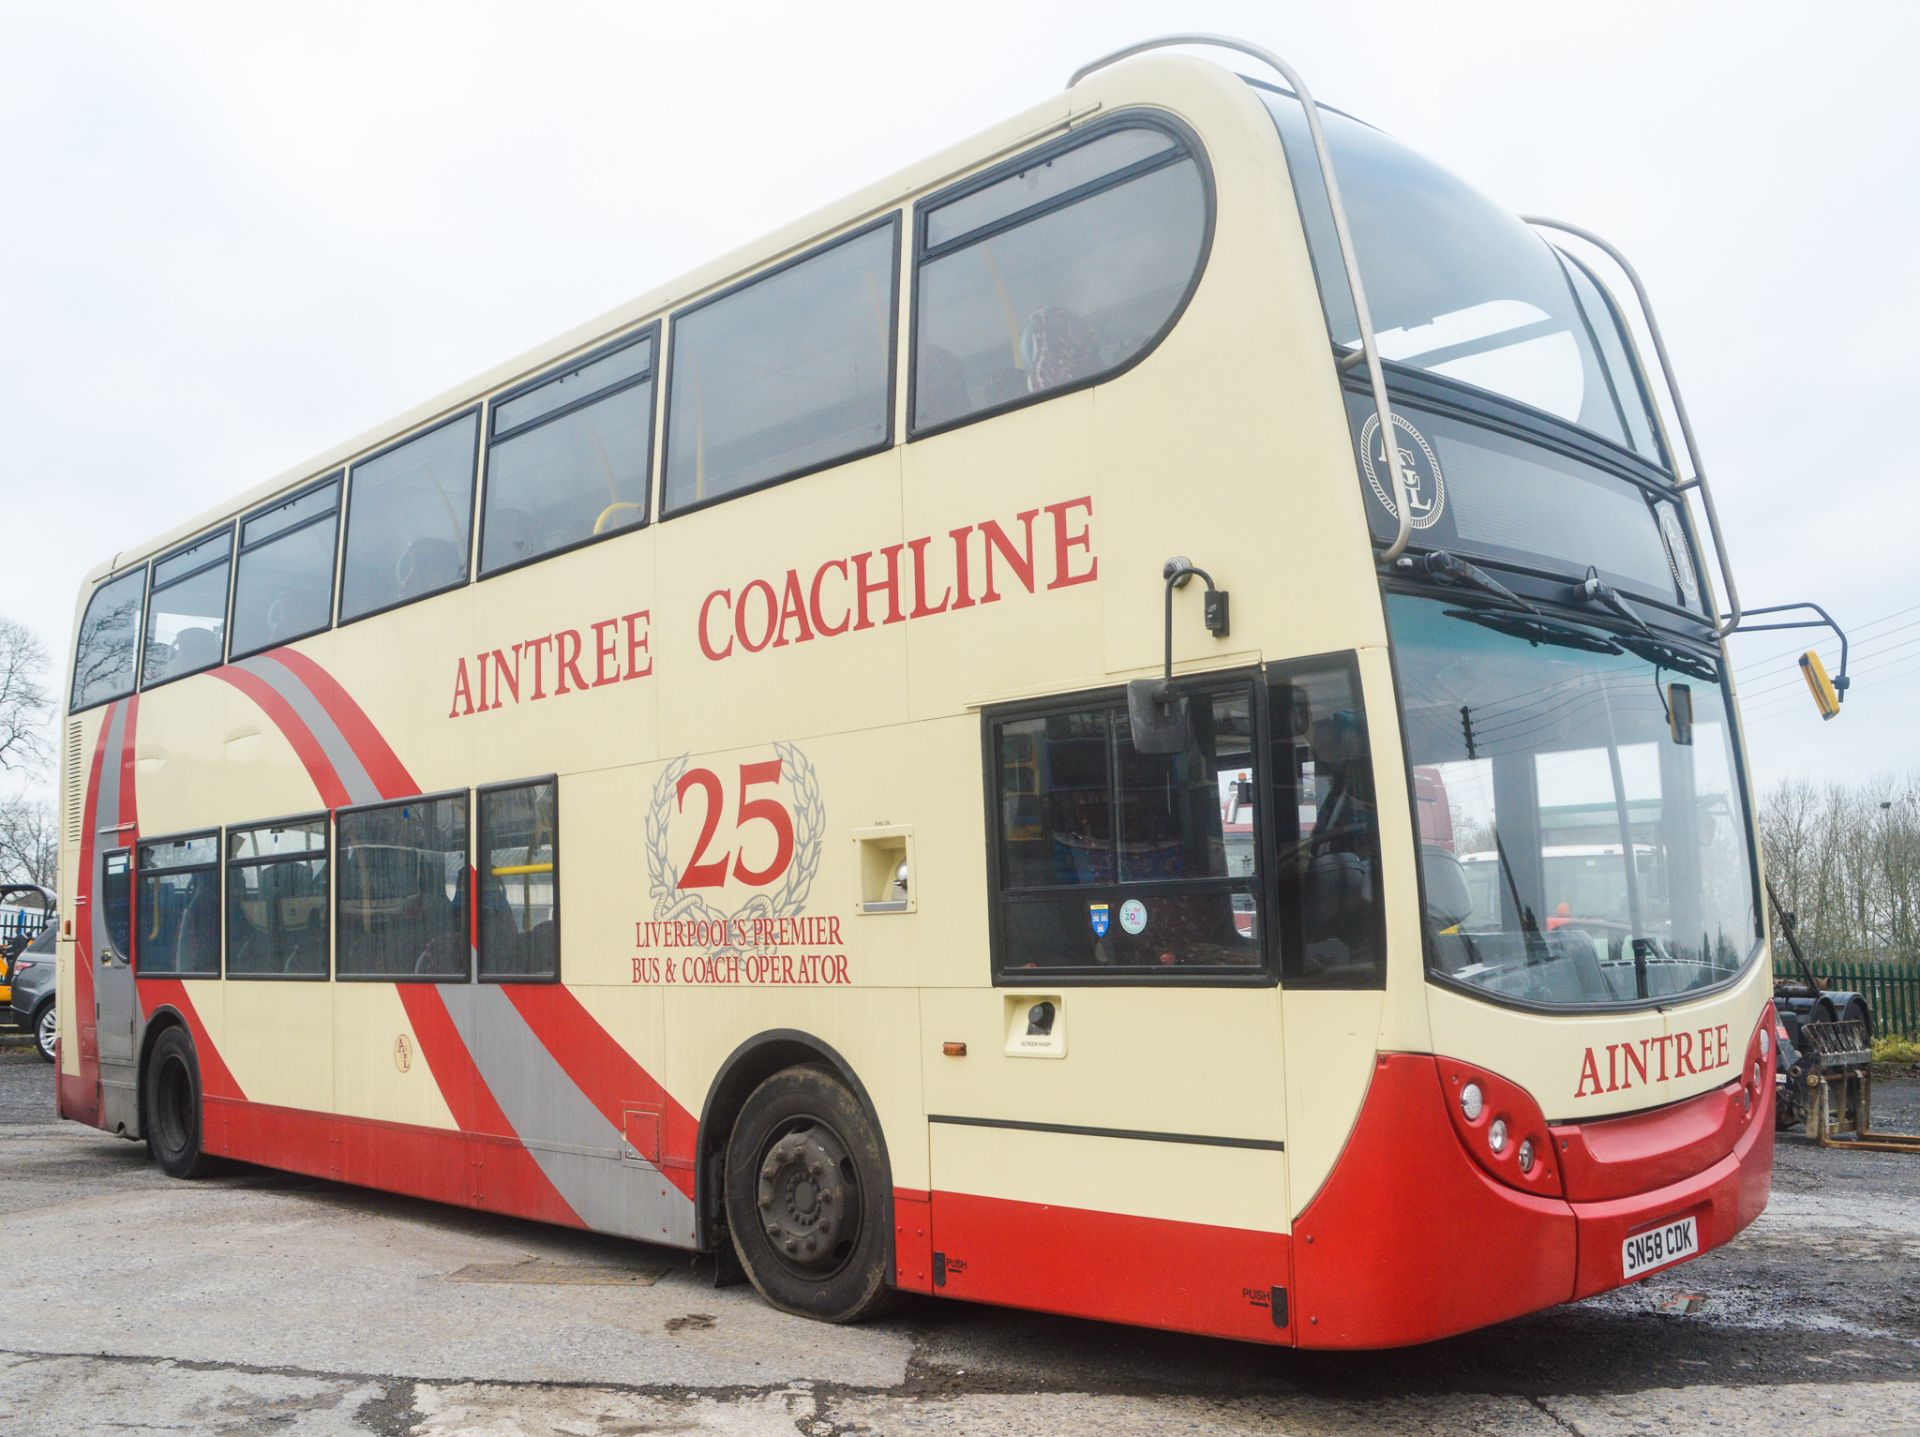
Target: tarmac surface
x=254, y=1302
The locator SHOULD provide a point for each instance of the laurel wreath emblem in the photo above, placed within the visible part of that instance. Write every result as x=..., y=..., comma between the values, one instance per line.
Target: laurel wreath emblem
x=809, y=829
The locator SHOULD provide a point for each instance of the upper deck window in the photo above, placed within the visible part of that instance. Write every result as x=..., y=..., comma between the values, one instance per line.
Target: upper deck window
x=104, y=651
x=568, y=457
x=283, y=588
x=187, y=610
x=409, y=519
x=1058, y=270
x=1459, y=287
x=787, y=374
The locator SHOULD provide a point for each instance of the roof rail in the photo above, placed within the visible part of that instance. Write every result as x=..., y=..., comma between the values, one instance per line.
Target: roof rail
x=1362, y=317
x=1730, y=621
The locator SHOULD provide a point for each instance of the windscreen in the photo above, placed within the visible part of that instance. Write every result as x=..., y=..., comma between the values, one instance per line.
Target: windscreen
x=1457, y=286
x=1578, y=845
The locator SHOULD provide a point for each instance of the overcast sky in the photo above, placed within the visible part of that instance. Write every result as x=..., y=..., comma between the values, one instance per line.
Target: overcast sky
x=231, y=236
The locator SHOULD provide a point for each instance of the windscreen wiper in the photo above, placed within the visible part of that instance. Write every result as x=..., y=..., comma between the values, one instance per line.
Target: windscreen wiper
x=1669, y=656
x=1536, y=628
x=1537, y=950
x=1592, y=590
x=1452, y=569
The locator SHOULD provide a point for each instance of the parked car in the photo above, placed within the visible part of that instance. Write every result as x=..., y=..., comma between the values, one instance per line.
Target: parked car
x=32, y=1005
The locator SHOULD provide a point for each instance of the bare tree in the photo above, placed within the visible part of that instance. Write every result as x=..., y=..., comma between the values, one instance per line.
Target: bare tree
x=1847, y=861
x=24, y=703
x=29, y=841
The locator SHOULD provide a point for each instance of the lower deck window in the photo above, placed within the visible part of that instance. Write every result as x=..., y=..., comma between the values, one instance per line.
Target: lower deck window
x=178, y=907
x=519, y=873
x=1113, y=861
x=277, y=900
x=402, y=890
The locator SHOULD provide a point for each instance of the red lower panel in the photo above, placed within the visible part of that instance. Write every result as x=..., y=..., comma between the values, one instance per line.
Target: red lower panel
x=1158, y=1273
x=1409, y=1240
x=77, y=1098
x=468, y=1169
x=912, y=1240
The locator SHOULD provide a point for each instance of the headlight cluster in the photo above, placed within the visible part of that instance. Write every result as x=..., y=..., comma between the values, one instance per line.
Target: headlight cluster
x=1501, y=1125
x=1756, y=1080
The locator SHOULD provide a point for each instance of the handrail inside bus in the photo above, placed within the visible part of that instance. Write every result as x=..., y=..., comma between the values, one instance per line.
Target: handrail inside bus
x=1731, y=621
x=1362, y=317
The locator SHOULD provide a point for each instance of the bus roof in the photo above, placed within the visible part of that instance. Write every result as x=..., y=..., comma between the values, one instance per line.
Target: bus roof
x=1167, y=81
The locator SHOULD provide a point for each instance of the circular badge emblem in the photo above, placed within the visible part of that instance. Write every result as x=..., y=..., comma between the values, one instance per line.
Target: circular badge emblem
x=1133, y=916
x=1678, y=556
x=402, y=1053
x=1419, y=467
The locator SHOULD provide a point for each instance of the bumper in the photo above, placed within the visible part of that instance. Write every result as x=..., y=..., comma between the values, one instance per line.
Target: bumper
x=1411, y=1240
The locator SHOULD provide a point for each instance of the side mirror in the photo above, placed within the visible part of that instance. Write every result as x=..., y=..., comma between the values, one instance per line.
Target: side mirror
x=1680, y=713
x=1157, y=717
x=1826, y=695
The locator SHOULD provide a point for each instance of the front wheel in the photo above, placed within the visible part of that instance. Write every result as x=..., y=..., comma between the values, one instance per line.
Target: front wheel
x=171, y=1093
x=808, y=1198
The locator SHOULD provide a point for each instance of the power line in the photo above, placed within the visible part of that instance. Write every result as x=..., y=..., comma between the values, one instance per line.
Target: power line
x=1852, y=634
x=1794, y=681
x=1902, y=669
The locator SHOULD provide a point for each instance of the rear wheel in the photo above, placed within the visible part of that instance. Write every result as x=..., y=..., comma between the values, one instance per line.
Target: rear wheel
x=171, y=1093
x=808, y=1198
x=46, y=1029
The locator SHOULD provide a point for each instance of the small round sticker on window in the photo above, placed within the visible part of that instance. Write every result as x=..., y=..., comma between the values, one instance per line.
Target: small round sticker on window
x=1133, y=916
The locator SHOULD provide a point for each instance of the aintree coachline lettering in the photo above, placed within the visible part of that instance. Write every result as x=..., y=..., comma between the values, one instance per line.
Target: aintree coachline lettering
x=553, y=665
x=935, y=574
x=1653, y=1060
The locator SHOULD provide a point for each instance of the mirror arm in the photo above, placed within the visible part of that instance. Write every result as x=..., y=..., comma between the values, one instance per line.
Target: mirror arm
x=1825, y=621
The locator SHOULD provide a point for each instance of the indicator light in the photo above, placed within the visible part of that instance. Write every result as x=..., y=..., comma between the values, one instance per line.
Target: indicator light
x=1766, y=1043
x=1470, y=1101
x=1497, y=1135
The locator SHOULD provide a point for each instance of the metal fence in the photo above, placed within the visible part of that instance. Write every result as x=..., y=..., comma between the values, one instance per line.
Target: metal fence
x=1891, y=986
x=19, y=923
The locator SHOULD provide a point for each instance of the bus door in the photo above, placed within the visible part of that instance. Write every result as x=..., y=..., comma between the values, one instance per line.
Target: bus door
x=1112, y=1141
x=116, y=1006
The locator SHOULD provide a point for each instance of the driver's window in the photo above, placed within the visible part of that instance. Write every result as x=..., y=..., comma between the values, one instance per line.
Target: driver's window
x=1327, y=829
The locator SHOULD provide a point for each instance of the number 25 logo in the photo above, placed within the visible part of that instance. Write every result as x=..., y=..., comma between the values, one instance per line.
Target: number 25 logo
x=705, y=872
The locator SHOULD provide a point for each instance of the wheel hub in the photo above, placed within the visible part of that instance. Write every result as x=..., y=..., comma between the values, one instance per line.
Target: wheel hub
x=809, y=1202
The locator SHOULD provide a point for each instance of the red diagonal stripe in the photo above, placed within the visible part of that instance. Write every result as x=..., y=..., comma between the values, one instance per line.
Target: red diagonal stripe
x=605, y=1071
x=470, y=1101
x=129, y=815
x=216, y=1079
x=305, y=746
x=383, y=766
x=87, y=1109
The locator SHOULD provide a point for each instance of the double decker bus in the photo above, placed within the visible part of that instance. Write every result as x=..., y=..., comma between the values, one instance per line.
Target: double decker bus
x=943, y=752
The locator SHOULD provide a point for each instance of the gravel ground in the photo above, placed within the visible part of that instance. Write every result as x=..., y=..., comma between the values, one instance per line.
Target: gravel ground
x=257, y=1302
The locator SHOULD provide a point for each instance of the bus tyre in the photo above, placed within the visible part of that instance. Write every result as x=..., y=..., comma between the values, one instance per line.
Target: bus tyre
x=808, y=1198
x=171, y=1093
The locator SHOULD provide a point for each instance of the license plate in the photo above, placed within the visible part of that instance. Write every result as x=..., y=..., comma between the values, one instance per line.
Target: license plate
x=1657, y=1247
